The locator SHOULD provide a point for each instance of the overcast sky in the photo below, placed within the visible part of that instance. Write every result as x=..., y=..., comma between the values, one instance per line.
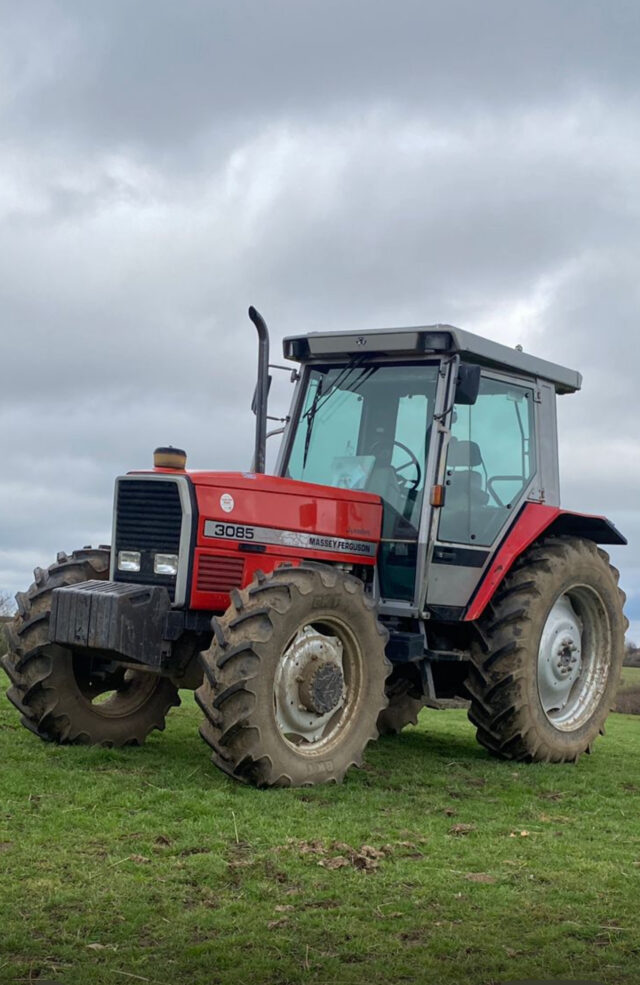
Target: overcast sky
x=339, y=164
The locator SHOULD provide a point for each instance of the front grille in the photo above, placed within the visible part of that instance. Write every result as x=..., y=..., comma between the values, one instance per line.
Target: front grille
x=219, y=574
x=148, y=516
x=149, y=520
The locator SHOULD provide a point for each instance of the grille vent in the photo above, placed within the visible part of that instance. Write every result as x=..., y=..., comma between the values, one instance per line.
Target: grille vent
x=149, y=517
x=219, y=574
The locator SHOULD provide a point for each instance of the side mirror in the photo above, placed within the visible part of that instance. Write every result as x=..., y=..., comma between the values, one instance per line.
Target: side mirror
x=467, y=384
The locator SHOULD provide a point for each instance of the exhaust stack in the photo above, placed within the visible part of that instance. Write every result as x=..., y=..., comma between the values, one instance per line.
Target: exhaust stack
x=261, y=394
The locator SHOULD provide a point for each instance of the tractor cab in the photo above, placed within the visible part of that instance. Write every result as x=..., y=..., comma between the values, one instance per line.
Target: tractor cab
x=444, y=427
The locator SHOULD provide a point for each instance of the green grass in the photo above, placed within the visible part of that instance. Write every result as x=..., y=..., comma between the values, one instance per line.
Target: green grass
x=149, y=865
x=630, y=678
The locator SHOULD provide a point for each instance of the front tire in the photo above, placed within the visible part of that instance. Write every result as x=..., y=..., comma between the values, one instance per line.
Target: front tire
x=294, y=678
x=545, y=679
x=66, y=697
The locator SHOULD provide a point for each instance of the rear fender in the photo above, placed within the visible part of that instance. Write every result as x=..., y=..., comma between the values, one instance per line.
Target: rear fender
x=534, y=521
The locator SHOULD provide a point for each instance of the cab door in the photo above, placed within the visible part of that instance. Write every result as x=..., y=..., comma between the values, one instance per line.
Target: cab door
x=491, y=465
x=402, y=495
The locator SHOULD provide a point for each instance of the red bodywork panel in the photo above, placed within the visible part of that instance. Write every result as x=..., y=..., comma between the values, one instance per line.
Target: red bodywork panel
x=533, y=521
x=316, y=522
x=249, y=522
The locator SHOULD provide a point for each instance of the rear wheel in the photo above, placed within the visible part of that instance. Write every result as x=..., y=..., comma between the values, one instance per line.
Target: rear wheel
x=64, y=696
x=544, y=682
x=294, y=678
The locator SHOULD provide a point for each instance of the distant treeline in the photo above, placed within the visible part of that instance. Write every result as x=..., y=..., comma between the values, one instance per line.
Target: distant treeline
x=632, y=656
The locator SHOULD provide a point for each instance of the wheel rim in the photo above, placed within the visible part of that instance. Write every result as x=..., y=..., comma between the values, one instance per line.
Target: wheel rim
x=113, y=692
x=574, y=658
x=317, y=685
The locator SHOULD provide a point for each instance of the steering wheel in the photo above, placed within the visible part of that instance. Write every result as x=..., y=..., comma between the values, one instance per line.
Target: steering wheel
x=413, y=462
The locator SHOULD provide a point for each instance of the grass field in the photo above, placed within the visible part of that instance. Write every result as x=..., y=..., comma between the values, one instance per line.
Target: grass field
x=630, y=678
x=629, y=692
x=148, y=865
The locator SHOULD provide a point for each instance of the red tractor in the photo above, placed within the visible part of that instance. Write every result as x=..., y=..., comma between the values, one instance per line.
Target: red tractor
x=409, y=548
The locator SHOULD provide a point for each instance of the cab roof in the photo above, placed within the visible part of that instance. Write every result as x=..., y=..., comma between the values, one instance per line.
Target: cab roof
x=426, y=340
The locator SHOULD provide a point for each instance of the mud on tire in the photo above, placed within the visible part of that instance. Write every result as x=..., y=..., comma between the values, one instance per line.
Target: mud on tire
x=60, y=694
x=545, y=678
x=286, y=616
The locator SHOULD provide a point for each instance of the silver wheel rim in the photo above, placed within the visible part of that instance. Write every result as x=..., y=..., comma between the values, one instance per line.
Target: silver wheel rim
x=324, y=653
x=574, y=658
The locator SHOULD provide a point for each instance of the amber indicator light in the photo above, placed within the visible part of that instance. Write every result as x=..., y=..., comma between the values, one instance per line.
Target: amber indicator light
x=437, y=496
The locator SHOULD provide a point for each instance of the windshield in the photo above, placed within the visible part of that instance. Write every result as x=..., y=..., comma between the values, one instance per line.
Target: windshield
x=368, y=427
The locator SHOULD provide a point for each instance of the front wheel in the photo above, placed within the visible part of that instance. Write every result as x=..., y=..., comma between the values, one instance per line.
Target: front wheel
x=294, y=678
x=545, y=679
x=68, y=697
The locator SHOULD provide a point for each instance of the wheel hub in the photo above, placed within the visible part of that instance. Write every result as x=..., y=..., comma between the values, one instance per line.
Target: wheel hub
x=559, y=657
x=321, y=687
x=309, y=686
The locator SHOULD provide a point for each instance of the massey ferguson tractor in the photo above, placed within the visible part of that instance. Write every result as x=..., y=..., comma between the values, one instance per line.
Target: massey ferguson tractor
x=409, y=548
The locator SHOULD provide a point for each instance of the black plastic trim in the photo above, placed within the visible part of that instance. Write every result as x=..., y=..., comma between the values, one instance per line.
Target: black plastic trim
x=447, y=613
x=178, y=621
x=403, y=647
x=596, y=528
x=463, y=557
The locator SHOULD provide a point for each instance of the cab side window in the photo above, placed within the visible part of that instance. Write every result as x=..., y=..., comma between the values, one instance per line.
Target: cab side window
x=490, y=462
x=409, y=451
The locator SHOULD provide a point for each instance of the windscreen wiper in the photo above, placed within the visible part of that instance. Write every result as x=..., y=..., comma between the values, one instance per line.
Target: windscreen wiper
x=338, y=383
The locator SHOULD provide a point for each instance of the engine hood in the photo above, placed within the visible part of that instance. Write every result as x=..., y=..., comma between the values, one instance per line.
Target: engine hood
x=266, y=501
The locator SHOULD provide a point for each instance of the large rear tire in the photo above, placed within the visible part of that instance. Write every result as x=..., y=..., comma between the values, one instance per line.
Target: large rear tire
x=66, y=697
x=546, y=677
x=294, y=678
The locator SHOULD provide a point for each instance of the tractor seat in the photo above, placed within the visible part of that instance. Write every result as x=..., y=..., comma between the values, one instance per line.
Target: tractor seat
x=464, y=485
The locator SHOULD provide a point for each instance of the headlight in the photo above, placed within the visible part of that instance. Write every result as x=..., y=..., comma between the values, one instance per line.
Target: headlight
x=128, y=560
x=165, y=564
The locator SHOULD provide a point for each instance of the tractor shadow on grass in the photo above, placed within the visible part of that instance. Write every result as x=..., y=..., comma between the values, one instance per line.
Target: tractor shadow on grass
x=178, y=752
x=442, y=739
x=178, y=758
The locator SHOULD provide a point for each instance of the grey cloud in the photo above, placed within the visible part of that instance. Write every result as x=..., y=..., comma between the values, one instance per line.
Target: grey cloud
x=158, y=74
